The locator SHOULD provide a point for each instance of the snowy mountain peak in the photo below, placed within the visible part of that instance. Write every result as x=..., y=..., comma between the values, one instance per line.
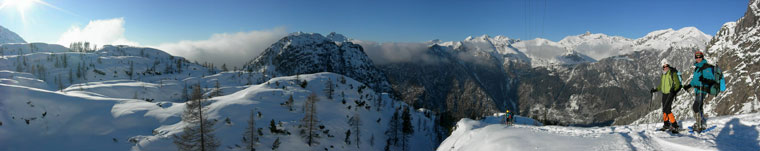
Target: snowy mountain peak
x=481, y=38
x=484, y=37
x=687, y=37
x=305, y=53
x=468, y=38
x=8, y=36
x=500, y=38
x=337, y=37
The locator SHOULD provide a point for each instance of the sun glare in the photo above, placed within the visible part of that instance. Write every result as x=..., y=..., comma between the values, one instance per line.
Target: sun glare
x=22, y=6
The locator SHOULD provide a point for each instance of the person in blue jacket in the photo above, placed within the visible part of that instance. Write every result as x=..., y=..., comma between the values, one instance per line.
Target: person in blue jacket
x=701, y=80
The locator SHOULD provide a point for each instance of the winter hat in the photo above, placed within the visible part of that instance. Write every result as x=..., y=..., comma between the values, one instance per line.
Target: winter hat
x=664, y=62
x=699, y=54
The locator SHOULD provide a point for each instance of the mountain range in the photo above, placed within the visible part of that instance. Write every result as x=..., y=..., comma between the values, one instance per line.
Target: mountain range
x=589, y=79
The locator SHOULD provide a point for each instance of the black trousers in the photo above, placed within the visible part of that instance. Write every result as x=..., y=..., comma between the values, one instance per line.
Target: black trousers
x=667, y=102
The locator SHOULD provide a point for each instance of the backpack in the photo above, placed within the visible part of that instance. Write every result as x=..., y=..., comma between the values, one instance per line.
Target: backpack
x=720, y=82
x=677, y=81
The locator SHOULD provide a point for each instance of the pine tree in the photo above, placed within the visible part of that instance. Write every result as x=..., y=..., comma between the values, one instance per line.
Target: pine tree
x=131, y=69
x=347, y=140
x=407, y=128
x=86, y=46
x=379, y=102
x=65, y=61
x=276, y=144
x=250, y=137
x=355, y=122
x=218, y=91
x=372, y=140
x=224, y=67
x=79, y=70
x=289, y=103
x=71, y=77
x=198, y=134
x=59, y=82
x=309, y=122
x=393, y=127
x=184, y=92
x=329, y=89
x=179, y=65
x=273, y=128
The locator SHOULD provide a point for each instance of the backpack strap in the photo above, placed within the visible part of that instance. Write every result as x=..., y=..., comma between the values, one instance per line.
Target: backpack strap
x=705, y=66
x=675, y=78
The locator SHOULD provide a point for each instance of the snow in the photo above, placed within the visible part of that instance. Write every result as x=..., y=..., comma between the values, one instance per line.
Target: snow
x=736, y=132
x=8, y=36
x=114, y=111
x=84, y=119
x=576, y=49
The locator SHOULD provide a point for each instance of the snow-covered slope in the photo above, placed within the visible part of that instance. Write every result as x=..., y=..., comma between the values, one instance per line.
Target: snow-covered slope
x=737, y=132
x=85, y=120
x=7, y=36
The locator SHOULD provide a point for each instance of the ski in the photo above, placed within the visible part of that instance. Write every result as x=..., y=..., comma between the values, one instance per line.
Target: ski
x=691, y=130
x=678, y=131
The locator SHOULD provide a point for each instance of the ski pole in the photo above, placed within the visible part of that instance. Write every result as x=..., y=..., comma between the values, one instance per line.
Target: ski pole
x=650, y=107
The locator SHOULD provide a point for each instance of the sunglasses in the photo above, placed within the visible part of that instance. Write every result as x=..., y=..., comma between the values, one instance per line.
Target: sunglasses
x=697, y=57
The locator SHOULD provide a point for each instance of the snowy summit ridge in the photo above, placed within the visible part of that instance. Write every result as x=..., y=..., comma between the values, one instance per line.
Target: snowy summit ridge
x=8, y=36
x=305, y=53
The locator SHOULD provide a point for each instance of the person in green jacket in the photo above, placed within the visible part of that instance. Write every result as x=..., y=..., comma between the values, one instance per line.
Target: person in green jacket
x=669, y=85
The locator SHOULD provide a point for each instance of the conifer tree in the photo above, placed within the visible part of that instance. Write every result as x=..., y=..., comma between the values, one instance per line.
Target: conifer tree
x=250, y=136
x=309, y=122
x=198, y=134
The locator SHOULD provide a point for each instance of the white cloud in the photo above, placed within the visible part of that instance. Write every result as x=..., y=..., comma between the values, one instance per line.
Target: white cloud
x=99, y=32
x=397, y=52
x=234, y=49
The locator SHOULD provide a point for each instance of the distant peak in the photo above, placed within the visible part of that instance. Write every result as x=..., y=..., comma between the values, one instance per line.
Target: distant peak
x=8, y=36
x=690, y=29
x=483, y=37
x=337, y=37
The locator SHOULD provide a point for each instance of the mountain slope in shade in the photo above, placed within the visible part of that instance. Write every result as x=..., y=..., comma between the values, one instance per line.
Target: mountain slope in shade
x=304, y=53
x=7, y=36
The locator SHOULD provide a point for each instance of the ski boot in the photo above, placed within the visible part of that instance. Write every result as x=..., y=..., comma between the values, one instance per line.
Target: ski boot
x=699, y=124
x=665, y=126
x=674, y=128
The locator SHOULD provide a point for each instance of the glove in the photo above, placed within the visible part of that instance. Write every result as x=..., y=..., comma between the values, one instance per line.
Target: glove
x=706, y=81
x=687, y=87
x=653, y=90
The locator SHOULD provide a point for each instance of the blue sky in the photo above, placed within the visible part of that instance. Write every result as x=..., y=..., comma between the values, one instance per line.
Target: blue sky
x=152, y=22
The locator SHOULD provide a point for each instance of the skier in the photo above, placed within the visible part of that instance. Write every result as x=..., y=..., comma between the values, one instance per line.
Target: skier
x=508, y=115
x=701, y=80
x=670, y=85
